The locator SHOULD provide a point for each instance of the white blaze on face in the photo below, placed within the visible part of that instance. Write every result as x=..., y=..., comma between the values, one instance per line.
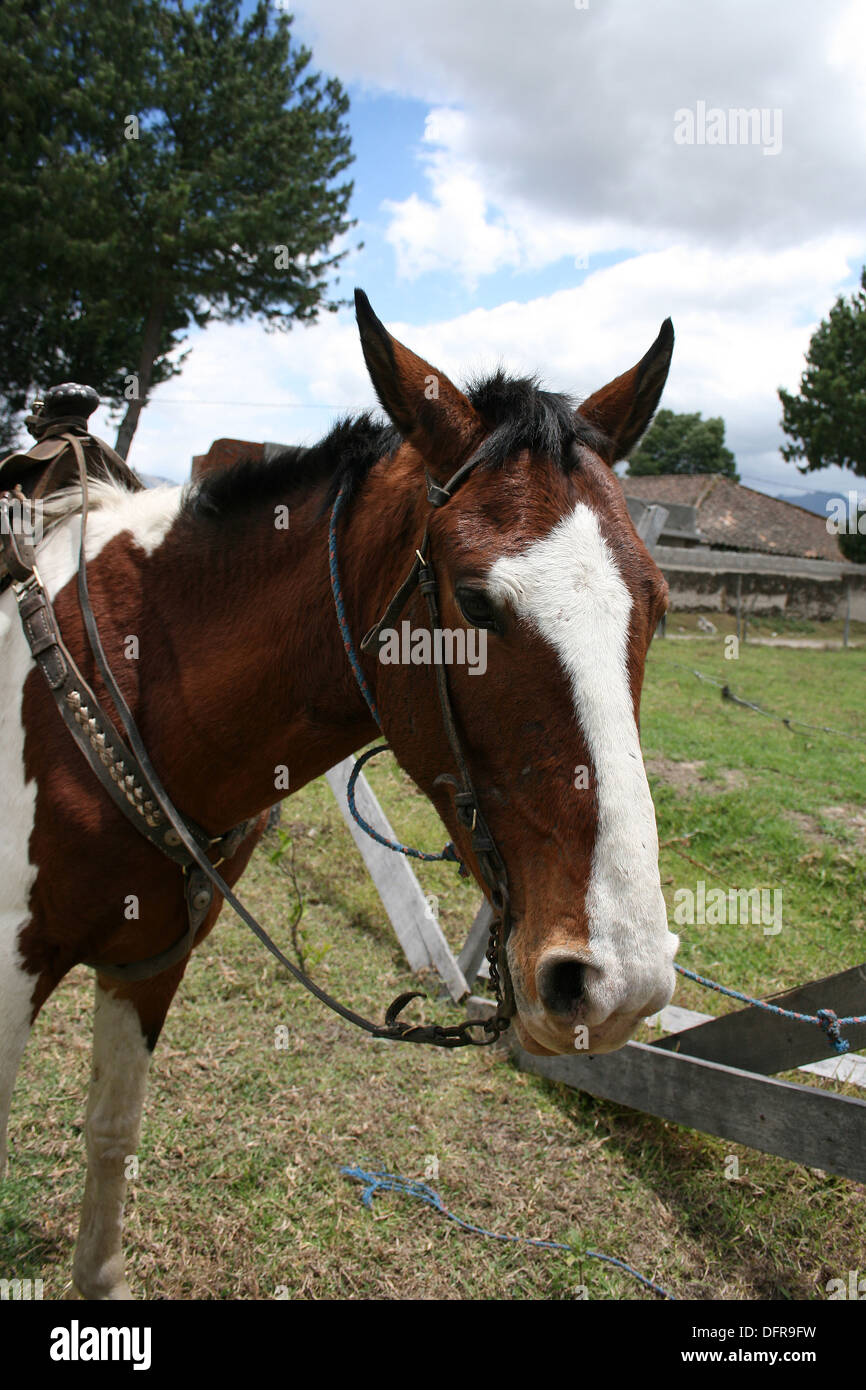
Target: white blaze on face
x=568, y=586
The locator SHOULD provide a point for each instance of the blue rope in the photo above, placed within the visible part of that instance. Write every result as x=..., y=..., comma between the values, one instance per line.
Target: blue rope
x=381, y=1181
x=449, y=852
x=827, y=1019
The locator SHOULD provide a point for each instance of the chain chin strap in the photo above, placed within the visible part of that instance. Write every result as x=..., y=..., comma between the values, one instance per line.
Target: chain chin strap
x=457, y=1035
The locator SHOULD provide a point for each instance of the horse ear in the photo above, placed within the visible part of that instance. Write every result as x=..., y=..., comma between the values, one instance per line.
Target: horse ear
x=428, y=409
x=623, y=409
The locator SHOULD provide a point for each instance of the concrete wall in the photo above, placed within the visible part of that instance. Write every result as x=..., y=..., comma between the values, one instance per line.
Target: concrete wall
x=707, y=580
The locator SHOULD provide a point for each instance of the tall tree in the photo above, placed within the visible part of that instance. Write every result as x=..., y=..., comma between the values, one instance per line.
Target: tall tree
x=682, y=443
x=60, y=315
x=853, y=546
x=826, y=420
x=167, y=166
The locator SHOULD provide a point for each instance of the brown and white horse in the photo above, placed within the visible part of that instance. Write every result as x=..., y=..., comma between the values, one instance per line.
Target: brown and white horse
x=238, y=669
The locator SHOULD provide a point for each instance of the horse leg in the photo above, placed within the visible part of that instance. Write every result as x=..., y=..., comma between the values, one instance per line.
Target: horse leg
x=126, y=1025
x=16, y=1017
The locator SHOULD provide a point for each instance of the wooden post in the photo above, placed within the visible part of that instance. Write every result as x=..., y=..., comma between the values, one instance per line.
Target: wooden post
x=802, y=1123
x=759, y=1041
x=471, y=958
x=423, y=942
x=847, y=630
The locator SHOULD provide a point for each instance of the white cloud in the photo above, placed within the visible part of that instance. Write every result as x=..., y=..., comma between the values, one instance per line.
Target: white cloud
x=559, y=122
x=460, y=229
x=550, y=132
x=742, y=319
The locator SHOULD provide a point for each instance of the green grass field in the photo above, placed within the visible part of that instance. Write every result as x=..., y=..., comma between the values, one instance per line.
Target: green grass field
x=240, y=1194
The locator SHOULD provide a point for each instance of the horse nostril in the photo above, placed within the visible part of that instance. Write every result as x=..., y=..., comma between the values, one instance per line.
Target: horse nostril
x=560, y=985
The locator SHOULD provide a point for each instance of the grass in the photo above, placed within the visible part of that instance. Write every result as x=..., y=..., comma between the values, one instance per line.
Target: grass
x=239, y=1193
x=764, y=805
x=763, y=626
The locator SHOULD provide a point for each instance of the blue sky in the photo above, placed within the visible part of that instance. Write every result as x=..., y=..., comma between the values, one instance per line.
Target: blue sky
x=523, y=198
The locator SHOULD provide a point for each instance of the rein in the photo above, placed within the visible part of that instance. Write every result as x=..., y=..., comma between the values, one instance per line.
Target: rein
x=422, y=576
x=128, y=775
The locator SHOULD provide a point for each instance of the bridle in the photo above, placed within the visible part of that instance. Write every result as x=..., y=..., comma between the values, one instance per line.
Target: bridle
x=422, y=576
x=126, y=772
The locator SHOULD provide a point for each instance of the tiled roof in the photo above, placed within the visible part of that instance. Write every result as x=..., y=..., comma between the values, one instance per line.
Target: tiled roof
x=739, y=518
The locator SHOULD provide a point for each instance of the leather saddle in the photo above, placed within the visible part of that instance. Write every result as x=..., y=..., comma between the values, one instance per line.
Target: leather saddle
x=50, y=465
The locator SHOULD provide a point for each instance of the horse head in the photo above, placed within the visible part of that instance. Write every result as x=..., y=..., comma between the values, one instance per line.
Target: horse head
x=542, y=572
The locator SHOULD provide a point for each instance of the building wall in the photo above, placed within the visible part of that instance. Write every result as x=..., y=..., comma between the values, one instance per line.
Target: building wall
x=706, y=580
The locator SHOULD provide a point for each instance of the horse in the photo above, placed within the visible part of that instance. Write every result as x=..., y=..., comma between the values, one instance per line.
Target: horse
x=216, y=614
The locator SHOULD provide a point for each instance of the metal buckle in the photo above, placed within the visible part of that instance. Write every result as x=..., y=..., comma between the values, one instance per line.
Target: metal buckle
x=22, y=587
x=437, y=496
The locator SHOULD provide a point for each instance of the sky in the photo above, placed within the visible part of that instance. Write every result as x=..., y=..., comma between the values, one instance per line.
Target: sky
x=539, y=184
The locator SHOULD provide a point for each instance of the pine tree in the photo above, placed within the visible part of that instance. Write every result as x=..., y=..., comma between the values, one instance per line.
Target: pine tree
x=827, y=419
x=164, y=166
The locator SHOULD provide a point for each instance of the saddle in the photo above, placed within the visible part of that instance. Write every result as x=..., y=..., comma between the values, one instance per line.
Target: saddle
x=50, y=465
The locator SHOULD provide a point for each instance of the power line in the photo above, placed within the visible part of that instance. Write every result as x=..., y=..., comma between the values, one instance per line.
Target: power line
x=257, y=405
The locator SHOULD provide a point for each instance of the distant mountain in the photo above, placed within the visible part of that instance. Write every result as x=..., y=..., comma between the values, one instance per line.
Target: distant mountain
x=153, y=480
x=817, y=501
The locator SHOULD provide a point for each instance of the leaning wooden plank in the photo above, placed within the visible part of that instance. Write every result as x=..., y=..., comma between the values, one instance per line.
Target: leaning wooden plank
x=651, y=524
x=810, y=1126
x=417, y=930
x=471, y=958
x=764, y=1042
x=850, y=1067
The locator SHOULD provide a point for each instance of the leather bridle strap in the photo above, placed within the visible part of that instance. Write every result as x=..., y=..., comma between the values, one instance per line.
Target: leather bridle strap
x=422, y=576
x=469, y=814
x=116, y=767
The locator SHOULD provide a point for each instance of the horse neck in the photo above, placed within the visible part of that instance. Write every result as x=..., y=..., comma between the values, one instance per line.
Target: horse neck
x=268, y=695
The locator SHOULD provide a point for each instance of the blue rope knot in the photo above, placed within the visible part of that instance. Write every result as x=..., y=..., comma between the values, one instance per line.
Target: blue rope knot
x=829, y=1021
x=826, y=1019
x=450, y=854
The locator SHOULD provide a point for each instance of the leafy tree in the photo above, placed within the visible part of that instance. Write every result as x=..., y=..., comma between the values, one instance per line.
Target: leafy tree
x=827, y=419
x=682, y=443
x=164, y=166
x=853, y=546
x=60, y=316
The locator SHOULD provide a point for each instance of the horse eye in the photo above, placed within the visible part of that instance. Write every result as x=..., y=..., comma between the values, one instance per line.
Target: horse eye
x=477, y=608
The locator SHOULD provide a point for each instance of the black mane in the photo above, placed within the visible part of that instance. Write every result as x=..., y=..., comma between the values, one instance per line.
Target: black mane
x=519, y=414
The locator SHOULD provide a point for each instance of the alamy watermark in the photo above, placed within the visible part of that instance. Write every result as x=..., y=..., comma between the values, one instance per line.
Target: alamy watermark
x=77, y=1343
x=732, y=907
x=739, y=125
x=846, y=517
x=854, y=1287
x=444, y=646
x=22, y=517
x=17, y=1290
